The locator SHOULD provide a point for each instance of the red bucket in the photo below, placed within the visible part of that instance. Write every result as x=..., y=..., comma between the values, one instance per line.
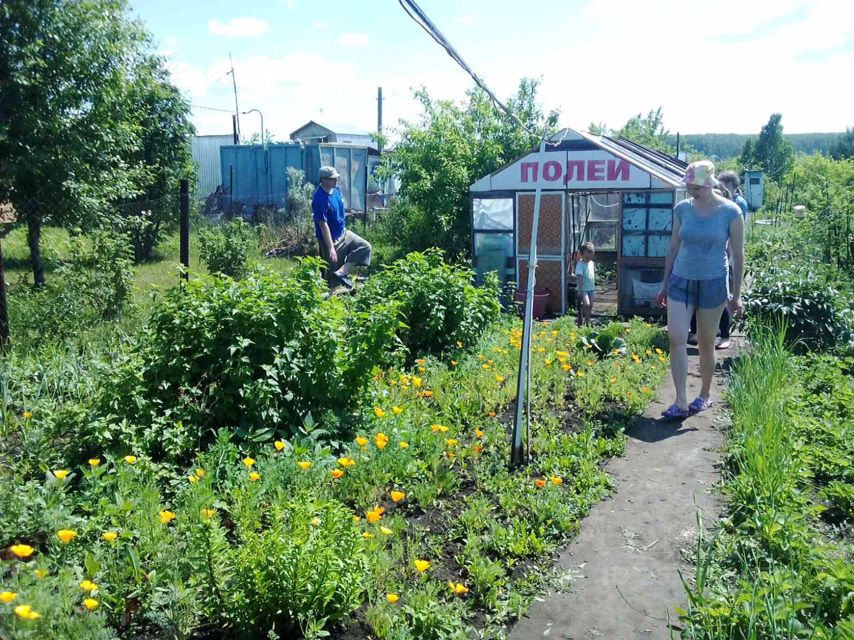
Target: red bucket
x=541, y=296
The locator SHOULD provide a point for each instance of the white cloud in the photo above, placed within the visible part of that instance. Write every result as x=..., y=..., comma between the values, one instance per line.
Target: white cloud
x=245, y=27
x=318, y=25
x=467, y=21
x=353, y=40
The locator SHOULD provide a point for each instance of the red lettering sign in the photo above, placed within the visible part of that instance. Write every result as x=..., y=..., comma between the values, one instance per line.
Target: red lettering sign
x=552, y=170
x=530, y=171
x=595, y=170
x=574, y=170
x=618, y=170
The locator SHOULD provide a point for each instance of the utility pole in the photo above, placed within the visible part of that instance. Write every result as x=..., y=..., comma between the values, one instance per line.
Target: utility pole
x=380, y=116
x=236, y=108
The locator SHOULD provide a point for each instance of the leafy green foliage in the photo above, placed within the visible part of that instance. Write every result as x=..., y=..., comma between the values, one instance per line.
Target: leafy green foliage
x=648, y=131
x=771, y=152
x=94, y=286
x=258, y=355
x=88, y=116
x=225, y=249
x=438, y=304
x=306, y=565
x=843, y=148
x=442, y=155
x=814, y=313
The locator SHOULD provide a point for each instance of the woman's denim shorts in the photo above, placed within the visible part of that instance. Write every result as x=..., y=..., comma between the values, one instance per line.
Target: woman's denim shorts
x=703, y=294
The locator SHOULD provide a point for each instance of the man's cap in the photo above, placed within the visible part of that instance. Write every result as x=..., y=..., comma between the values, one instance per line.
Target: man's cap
x=329, y=172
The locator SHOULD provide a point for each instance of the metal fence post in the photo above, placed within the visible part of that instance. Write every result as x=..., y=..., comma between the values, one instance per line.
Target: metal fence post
x=185, y=228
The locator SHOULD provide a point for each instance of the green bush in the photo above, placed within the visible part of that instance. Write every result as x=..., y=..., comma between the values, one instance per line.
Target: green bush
x=257, y=355
x=438, y=303
x=226, y=249
x=306, y=568
x=813, y=311
x=96, y=285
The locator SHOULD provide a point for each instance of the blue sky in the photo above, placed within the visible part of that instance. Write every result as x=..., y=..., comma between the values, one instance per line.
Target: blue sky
x=720, y=66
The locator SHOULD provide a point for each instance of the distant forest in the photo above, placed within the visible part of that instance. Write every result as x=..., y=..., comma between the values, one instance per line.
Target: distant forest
x=729, y=145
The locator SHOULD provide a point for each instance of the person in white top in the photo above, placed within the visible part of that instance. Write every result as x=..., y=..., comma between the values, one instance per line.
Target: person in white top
x=585, y=282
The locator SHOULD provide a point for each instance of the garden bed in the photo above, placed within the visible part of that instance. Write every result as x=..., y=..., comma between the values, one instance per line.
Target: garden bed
x=403, y=521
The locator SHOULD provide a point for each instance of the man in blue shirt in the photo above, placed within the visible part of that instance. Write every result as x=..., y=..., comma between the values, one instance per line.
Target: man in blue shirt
x=341, y=248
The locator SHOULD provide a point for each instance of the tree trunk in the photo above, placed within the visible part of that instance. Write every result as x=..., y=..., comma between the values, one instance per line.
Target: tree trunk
x=34, y=232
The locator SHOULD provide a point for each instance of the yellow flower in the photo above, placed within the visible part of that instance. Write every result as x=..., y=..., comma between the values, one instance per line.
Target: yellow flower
x=397, y=496
x=109, y=536
x=199, y=473
x=166, y=516
x=478, y=433
x=547, y=362
x=305, y=465
x=436, y=428
x=356, y=518
x=613, y=380
x=451, y=455
x=397, y=410
x=422, y=369
x=566, y=368
x=336, y=473
x=381, y=440
x=88, y=586
x=90, y=603
x=25, y=612
x=459, y=345
x=491, y=414
x=662, y=359
x=193, y=479
x=379, y=413
x=361, y=441
x=27, y=415
x=478, y=448
x=658, y=351
x=540, y=483
x=130, y=459
x=452, y=442
x=367, y=535
x=562, y=354
x=636, y=357
x=386, y=531
x=648, y=352
x=254, y=476
x=422, y=565
x=373, y=516
x=94, y=462
x=346, y=462
x=22, y=550
x=208, y=513
x=454, y=363
x=485, y=367
x=426, y=394
x=40, y=573
x=392, y=597
x=416, y=381
x=66, y=535
x=589, y=363
x=458, y=588
x=580, y=374
x=280, y=446
x=315, y=521
x=557, y=480
x=248, y=461
x=404, y=445
x=499, y=379
x=7, y=596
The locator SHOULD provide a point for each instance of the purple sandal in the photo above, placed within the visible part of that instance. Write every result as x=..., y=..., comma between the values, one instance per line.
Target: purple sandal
x=674, y=412
x=699, y=404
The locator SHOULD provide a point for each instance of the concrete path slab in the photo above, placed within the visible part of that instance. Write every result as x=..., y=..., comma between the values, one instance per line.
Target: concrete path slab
x=625, y=561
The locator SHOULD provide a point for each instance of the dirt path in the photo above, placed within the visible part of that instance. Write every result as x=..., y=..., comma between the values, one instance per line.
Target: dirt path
x=624, y=563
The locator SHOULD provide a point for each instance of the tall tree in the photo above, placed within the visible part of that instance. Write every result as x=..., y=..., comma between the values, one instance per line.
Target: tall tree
x=71, y=123
x=844, y=147
x=771, y=151
x=451, y=147
x=648, y=131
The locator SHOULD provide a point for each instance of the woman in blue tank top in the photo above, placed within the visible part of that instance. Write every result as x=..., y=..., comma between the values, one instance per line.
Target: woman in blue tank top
x=695, y=279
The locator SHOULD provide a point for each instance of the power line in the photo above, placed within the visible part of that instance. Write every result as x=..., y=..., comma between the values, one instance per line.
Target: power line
x=198, y=106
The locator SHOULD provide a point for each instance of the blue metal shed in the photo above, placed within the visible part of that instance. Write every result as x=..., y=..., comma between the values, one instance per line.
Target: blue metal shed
x=258, y=174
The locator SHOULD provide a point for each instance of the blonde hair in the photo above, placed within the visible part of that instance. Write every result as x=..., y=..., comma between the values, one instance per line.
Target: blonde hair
x=588, y=247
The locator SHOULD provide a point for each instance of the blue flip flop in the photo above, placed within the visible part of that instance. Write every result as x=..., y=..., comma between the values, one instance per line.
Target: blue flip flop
x=673, y=412
x=699, y=404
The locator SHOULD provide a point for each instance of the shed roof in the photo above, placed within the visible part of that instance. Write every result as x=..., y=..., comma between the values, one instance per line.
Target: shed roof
x=663, y=170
